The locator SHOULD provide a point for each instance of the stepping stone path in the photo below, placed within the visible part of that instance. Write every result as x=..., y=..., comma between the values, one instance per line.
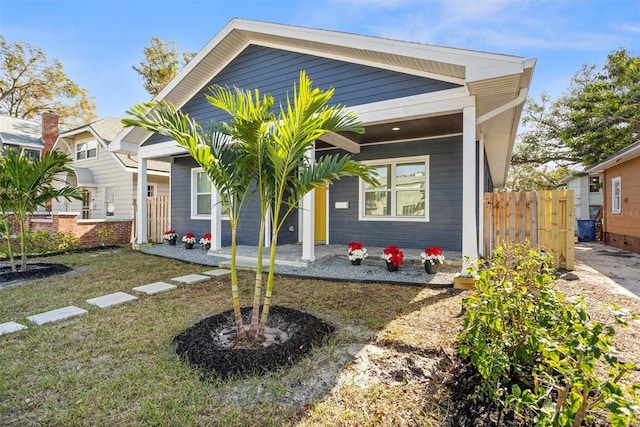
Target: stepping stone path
x=218, y=272
x=155, y=288
x=190, y=279
x=9, y=327
x=108, y=301
x=55, y=315
x=111, y=300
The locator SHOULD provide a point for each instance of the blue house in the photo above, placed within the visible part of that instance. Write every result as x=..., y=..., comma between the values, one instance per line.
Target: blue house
x=440, y=124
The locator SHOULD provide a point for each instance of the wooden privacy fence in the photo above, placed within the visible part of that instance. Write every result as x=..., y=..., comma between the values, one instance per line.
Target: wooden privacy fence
x=157, y=217
x=544, y=218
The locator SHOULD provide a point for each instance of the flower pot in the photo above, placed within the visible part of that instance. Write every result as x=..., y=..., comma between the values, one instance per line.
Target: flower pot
x=431, y=268
x=392, y=267
x=188, y=245
x=207, y=246
x=356, y=261
x=172, y=242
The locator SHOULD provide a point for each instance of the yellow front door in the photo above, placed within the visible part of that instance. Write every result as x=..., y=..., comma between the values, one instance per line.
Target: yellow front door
x=320, y=214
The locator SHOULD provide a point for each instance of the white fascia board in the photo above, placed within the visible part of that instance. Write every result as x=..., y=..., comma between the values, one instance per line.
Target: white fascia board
x=340, y=141
x=123, y=147
x=390, y=67
x=149, y=172
x=163, y=149
x=631, y=152
x=414, y=106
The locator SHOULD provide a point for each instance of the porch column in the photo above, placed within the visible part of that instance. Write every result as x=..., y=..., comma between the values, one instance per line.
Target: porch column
x=469, y=188
x=481, y=189
x=216, y=220
x=308, y=206
x=141, y=197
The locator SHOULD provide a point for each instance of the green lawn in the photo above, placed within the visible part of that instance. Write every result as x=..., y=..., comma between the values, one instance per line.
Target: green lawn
x=117, y=367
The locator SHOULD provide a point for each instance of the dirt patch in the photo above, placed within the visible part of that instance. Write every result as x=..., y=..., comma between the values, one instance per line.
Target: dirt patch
x=206, y=346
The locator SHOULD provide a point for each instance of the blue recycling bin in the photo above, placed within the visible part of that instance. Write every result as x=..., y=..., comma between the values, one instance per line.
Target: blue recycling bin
x=586, y=230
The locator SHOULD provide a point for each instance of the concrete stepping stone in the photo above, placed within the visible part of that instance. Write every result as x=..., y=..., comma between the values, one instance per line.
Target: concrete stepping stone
x=10, y=327
x=56, y=315
x=190, y=279
x=155, y=288
x=111, y=300
x=217, y=272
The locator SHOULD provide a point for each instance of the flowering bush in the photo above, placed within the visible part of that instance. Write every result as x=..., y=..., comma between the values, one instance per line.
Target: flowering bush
x=169, y=235
x=432, y=255
x=206, y=239
x=189, y=238
x=393, y=255
x=356, y=251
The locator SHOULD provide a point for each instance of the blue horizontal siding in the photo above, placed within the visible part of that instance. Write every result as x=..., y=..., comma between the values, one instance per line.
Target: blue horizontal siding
x=444, y=228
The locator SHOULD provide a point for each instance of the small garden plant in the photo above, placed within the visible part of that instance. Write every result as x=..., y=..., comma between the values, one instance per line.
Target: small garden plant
x=540, y=351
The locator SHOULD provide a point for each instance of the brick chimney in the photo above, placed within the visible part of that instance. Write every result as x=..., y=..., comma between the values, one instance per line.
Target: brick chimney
x=49, y=130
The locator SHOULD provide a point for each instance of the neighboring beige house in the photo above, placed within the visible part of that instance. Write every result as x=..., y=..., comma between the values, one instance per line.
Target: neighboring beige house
x=108, y=180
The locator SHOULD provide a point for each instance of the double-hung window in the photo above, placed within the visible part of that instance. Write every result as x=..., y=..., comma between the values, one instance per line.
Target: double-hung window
x=200, y=194
x=403, y=192
x=109, y=201
x=87, y=149
x=616, y=195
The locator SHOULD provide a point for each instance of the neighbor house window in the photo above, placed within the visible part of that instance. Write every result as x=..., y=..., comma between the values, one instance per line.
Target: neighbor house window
x=109, y=201
x=594, y=184
x=151, y=190
x=87, y=149
x=616, y=195
x=201, y=194
x=402, y=193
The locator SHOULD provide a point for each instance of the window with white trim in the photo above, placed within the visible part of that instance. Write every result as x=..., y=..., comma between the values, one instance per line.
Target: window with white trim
x=200, y=194
x=403, y=191
x=109, y=201
x=616, y=195
x=87, y=149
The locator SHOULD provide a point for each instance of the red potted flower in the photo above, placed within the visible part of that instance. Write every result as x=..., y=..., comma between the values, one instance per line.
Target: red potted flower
x=432, y=258
x=206, y=241
x=170, y=236
x=394, y=257
x=356, y=252
x=189, y=240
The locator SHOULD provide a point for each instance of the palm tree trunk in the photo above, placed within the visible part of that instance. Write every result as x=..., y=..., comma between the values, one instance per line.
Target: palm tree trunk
x=7, y=228
x=23, y=244
x=267, y=296
x=257, y=289
x=241, y=333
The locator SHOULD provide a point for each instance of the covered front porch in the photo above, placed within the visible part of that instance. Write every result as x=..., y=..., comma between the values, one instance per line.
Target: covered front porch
x=331, y=263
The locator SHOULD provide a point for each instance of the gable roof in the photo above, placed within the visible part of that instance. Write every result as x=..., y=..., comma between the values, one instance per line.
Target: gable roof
x=498, y=82
x=104, y=131
x=22, y=132
x=626, y=154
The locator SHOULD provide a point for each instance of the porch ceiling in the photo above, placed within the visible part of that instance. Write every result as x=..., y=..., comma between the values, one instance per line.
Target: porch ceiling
x=426, y=127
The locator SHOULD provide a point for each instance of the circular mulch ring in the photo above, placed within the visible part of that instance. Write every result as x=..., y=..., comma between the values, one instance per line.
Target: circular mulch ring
x=33, y=271
x=204, y=344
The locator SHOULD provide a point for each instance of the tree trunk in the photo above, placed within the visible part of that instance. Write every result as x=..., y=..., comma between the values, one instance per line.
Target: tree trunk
x=23, y=244
x=241, y=333
x=257, y=290
x=267, y=296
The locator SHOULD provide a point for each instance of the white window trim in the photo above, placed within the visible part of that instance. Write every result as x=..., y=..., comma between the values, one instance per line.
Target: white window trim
x=394, y=161
x=86, y=141
x=194, y=215
x=104, y=198
x=616, y=181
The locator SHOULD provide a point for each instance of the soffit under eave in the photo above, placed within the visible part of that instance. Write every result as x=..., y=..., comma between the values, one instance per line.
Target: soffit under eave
x=499, y=139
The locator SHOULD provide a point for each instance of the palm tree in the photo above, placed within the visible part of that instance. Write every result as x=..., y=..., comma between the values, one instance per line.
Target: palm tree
x=29, y=184
x=227, y=167
x=290, y=175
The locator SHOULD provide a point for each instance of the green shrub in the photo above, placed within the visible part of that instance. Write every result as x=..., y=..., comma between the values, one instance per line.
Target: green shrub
x=537, y=349
x=106, y=235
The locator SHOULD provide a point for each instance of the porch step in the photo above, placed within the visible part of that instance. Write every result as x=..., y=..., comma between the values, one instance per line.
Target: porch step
x=250, y=263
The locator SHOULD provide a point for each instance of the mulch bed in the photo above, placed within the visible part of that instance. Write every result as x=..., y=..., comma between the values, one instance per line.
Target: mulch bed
x=199, y=345
x=33, y=271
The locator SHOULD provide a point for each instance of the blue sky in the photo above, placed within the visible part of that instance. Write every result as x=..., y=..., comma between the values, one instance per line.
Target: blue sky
x=98, y=41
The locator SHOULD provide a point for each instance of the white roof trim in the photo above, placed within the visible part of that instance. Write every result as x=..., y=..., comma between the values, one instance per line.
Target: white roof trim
x=628, y=153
